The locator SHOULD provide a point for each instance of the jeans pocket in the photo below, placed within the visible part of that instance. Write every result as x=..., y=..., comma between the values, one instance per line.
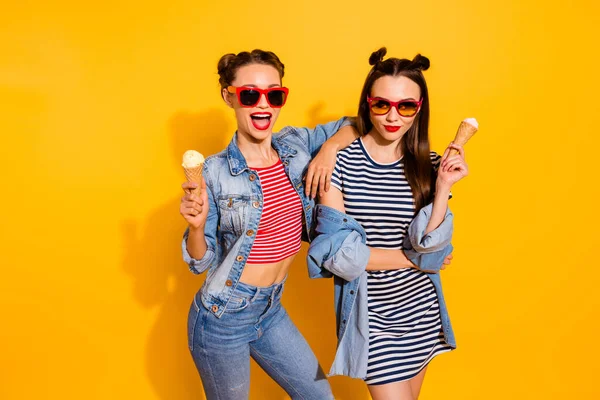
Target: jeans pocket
x=237, y=303
x=192, y=322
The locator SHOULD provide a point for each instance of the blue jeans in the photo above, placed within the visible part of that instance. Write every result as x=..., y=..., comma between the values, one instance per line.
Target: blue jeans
x=255, y=325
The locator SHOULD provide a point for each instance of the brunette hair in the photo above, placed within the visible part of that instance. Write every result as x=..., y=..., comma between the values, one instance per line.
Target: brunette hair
x=415, y=142
x=230, y=63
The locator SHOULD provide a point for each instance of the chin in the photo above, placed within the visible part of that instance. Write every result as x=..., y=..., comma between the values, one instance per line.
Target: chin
x=390, y=136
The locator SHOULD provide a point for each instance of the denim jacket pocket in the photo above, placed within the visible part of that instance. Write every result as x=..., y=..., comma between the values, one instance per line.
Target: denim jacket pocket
x=233, y=210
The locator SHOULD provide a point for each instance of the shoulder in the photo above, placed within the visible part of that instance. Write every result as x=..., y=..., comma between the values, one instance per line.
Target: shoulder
x=286, y=133
x=214, y=165
x=291, y=136
x=351, y=151
x=216, y=160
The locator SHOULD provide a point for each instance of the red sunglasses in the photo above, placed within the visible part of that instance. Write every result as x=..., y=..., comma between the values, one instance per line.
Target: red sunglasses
x=250, y=96
x=406, y=108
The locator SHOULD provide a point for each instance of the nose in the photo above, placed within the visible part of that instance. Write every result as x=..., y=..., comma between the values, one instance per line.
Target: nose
x=262, y=101
x=392, y=115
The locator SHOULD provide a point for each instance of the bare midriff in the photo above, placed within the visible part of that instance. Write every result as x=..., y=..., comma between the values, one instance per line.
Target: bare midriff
x=263, y=275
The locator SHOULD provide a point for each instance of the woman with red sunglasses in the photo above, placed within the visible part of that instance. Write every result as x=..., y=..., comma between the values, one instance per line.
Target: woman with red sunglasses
x=391, y=314
x=245, y=228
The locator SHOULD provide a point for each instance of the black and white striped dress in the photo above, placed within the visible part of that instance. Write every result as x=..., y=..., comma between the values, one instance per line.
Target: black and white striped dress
x=405, y=329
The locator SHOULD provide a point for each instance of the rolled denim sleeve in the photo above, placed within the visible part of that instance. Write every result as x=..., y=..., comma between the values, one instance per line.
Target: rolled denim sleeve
x=428, y=251
x=429, y=262
x=210, y=231
x=434, y=240
x=351, y=259
x=314, y=138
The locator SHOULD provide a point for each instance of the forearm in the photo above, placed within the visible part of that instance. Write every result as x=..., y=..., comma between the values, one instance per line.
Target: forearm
x=196, y=243
x=342, y=138
x=386, y=259
x=440, y=205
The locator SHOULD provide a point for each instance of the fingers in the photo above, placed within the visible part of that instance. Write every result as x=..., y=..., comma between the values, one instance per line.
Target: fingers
x=189, y=186
x=445, y=155
x=459, y=148
x=327, y=182
x=452, y=161
x=323, y=180
x=308, y=180
x=315, y=184
x=191, y=208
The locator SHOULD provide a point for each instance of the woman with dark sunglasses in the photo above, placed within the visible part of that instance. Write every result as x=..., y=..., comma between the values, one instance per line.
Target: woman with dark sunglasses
x=245, y=228
x=391, y=315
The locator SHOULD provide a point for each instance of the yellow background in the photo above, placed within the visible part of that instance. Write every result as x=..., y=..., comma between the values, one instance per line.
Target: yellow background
x=99, y=100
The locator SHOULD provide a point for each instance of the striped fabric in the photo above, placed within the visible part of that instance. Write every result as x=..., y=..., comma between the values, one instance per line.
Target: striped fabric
x=280, y=229
x=405, y=330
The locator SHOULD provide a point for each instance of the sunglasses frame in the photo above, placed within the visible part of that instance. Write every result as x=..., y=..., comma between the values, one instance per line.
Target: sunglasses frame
x=395, y=104
x=237, y=90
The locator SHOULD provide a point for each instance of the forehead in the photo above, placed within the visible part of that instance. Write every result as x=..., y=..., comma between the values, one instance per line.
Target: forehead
x=259, y=75
x=396, y=88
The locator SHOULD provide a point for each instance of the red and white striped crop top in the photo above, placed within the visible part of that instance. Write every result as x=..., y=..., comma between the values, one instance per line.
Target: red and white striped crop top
x=280, y=228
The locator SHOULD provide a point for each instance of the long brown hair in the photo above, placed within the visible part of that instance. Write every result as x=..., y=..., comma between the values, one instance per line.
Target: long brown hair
x=415, y=142
x=230, y=63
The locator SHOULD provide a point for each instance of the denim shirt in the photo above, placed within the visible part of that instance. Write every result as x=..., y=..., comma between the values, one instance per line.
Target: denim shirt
x=235, y=202
x=340, y=249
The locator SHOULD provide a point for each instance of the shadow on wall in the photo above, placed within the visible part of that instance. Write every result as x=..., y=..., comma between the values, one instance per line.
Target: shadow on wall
x=163, y=281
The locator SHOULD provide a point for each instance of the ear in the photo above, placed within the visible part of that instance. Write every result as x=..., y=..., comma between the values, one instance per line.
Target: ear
x=226, y=97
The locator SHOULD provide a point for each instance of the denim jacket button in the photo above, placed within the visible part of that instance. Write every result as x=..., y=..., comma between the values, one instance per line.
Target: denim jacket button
x=256, y=204
x=252, y=177
x=345, y=220
x=285, y=163
x=352, y=292
x=239, y=258
x=250, y=232
x=228, y=282
x=215, y=308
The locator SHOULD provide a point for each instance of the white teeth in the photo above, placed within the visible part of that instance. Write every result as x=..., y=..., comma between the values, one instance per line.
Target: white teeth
x=261, y=115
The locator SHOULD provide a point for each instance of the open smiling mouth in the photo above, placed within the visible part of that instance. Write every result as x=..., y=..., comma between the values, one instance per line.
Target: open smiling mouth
x=261, y=121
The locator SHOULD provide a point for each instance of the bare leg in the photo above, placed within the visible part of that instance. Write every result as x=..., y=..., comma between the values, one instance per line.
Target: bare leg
x=392, y=391
x=417, y=382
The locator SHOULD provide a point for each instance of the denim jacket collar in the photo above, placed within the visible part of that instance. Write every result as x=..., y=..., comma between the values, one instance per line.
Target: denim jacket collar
x=237, y=162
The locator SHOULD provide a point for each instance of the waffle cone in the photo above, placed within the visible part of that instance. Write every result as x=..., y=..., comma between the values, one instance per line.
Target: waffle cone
x=464, y=133
x=194, y=175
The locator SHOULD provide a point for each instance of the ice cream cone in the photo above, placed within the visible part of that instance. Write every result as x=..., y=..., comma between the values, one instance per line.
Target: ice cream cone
x=192, y=167
x=466, y=130
x=194, y=175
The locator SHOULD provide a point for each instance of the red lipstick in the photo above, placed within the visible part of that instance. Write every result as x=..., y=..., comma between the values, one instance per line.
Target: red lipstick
x=391, y=128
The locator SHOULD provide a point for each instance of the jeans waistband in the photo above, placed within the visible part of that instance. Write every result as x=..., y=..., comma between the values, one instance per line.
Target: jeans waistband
x=258, y=292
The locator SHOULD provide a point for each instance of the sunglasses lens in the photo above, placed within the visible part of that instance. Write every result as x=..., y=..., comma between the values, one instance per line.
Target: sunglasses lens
x=408, y=108
x=380, y=107
x=276, y=97
x=249, y=97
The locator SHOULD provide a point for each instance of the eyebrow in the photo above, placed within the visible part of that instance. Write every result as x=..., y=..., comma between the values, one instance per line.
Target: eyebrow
x=273, y=85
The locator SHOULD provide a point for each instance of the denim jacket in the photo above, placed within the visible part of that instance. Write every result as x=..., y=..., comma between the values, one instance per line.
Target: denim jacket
x=236, y=203
x=339, y=249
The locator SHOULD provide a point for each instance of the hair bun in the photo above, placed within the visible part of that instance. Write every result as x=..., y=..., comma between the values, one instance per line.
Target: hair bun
x=377, y=56
x=224, y=62
x=421, y=62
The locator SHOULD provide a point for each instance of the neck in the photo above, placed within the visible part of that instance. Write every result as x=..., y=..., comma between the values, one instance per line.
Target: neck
x=257, y=152
x=381, y=149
